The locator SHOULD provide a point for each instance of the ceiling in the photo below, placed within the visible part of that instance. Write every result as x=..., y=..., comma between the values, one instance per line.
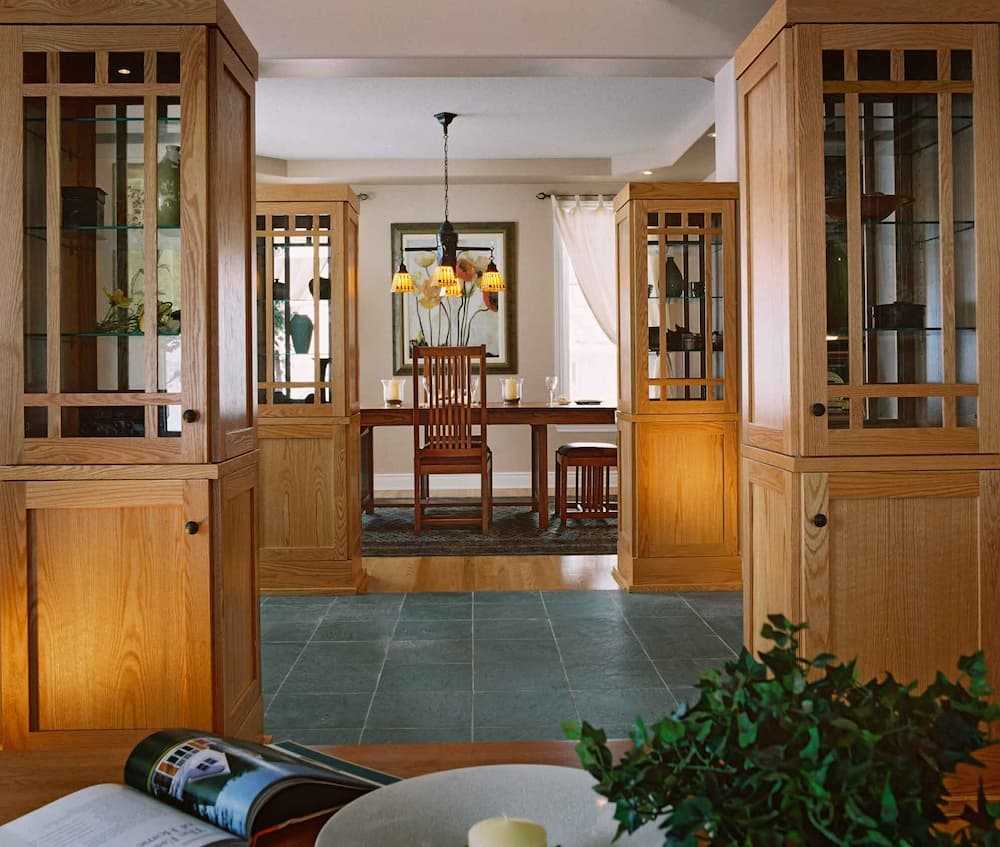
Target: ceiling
x=575, y=89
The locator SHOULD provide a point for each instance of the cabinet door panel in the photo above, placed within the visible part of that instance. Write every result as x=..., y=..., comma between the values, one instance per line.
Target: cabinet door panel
x=894, y=576
x=107, y=608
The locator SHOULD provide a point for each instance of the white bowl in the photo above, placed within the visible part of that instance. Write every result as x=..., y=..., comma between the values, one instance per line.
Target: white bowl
x=437, y=810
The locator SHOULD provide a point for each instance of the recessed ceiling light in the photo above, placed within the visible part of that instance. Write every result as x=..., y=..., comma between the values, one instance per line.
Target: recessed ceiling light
x=124, y=71
x=647, y=173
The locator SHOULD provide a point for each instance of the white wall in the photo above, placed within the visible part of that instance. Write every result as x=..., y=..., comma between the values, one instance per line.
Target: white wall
x=535, y=304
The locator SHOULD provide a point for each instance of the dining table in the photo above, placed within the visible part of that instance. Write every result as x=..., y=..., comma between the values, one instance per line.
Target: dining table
x=539, y=416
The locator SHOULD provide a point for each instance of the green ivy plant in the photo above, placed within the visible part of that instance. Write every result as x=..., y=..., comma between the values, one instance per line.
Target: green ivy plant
x=789, y=751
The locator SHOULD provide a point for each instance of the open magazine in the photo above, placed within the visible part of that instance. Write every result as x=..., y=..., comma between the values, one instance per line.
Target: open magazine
x=185, y=788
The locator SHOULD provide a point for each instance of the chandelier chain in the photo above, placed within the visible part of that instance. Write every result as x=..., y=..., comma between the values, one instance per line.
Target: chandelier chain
x=446, y=173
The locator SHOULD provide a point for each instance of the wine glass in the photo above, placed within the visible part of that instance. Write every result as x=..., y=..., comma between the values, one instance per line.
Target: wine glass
x=552, y=383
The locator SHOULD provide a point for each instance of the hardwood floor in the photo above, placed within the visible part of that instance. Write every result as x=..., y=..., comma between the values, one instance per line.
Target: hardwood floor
x=490, y=573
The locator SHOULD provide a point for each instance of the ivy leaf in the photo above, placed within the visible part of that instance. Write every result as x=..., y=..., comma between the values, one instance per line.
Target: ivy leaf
x=890, y=812
x=748, y=730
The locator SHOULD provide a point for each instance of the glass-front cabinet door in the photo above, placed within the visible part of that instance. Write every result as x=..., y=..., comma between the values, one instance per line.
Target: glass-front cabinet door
x=684, y=307
x=299, y=311
x=901, y=350
x=105, y=283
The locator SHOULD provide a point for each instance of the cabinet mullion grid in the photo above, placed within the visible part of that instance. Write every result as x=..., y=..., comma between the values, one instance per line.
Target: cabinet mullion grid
x=316, y=292
x=946, y=242
x=53, y=244
x=150, y=315
x=857, y=341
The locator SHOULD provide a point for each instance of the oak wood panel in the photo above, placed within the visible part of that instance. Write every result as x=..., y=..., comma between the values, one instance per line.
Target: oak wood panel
x=78, y=38
x=237, y=38
x=628, y=268
x=107, y=11
x=231, y=254
x=874, y=582
x=676, y=191
x=305, y=193
x=92, y=451
x=11, y=291
x=806, y=464
x=686, y=489
x=64, y=472
x=236, y=634
x=768, y=248
x=685, y=573
x=626, y=500
x=770, y=548
x=194, y=240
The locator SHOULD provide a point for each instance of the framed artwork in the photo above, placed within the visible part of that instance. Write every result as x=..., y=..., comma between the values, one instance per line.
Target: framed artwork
x=425, y=317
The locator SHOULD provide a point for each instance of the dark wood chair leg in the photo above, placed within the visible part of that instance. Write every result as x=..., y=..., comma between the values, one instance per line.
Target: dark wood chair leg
x=486, y=496
x=418, y=499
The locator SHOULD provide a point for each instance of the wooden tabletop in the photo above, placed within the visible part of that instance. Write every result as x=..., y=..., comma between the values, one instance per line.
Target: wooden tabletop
x=30, y=780
x=525, y=412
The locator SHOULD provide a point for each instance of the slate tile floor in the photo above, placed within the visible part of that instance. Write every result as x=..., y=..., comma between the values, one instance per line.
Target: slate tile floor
x=489, y=666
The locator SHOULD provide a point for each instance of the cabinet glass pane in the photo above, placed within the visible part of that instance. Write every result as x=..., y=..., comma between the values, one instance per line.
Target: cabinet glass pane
x=890, y=412
x=901, y=243
x=35, y=332
x=102, y=248
x=964, y=198
x=262, y=336
x=324, y=325
x=835, y=172
x=717, y=304
x=168, y=249
x=293, y=319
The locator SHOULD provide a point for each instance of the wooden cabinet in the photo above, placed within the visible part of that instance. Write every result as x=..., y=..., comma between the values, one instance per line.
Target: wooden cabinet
x=869, y=227
x=127, y=443
x=676, y=247
x=309, y=414
x=900, y=568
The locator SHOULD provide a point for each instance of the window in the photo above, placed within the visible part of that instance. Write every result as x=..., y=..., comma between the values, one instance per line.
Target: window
x=587, y=360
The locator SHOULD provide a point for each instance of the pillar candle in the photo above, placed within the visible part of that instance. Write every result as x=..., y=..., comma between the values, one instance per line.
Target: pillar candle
x=510, y=389
x=507, y=832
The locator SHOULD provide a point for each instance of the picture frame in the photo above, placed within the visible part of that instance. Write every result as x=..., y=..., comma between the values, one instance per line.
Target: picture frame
x=477, y=318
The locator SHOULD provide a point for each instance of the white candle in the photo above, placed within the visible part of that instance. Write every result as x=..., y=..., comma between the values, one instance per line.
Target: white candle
x=507, y=832
x=510, y=389
x=394, y=386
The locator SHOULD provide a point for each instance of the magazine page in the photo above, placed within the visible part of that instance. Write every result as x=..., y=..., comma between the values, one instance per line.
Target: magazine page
x=336, y=764
x=110, y=816
x=238, y=786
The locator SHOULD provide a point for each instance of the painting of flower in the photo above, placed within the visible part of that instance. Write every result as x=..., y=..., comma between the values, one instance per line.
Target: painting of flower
x=471, y=318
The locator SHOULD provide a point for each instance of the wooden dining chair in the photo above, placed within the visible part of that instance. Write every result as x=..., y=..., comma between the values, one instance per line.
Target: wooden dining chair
x=452, y=439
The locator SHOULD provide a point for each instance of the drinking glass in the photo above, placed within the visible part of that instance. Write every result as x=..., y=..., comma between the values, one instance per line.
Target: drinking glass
x=552, y=383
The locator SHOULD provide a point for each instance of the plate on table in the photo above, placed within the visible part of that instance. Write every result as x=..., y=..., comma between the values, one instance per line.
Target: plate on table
x=588, y=402
x=437, y=810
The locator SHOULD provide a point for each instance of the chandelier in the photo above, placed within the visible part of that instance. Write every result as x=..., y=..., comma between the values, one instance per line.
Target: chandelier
x=491, y=282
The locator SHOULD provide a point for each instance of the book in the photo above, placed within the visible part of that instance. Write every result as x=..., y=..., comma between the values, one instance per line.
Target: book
x=186, y=788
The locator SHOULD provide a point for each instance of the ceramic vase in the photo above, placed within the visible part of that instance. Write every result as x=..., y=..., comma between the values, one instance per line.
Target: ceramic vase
x=301, y=329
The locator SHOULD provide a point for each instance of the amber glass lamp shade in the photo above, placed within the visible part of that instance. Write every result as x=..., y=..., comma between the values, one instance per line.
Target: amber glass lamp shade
x=492, y=281
x=402, y=282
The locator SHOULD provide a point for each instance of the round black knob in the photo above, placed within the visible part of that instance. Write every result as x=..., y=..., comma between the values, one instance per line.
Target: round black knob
x=818, y=409
x=191, y=527
x=820, y=520
x=189, y=416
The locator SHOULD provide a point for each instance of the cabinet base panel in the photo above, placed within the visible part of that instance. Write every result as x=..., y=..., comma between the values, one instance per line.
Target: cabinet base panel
x=308, y=571
x=668, y=574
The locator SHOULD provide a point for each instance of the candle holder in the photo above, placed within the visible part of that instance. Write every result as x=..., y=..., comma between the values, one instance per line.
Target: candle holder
x=511, y=388
x=393, y=391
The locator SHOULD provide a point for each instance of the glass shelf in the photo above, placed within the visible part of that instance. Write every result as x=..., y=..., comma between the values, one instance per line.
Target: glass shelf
x=174, y=333
x=105, y=120
x=673, y=299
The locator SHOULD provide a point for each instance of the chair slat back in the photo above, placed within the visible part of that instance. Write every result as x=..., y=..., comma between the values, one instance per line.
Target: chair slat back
x=451, y=423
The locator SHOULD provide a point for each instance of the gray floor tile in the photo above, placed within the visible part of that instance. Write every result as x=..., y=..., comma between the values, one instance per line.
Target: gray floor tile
x=685, y=694
x=374, y=629
x=711, y=603
x=652, y=605
x=310, y=611
x=326, y=737
x=524, y=708
x=423, y=630
x=624, y=648
x=425, y=598
x=427, y=735
x=283, y=630
x=481, y=597
x=516, y=650
x=436, y=612
x=529, y=606
x=588, y=628
x=312, y=676
x=573, y=604
x=361, y=612
x=688, y=643
x=406, y=676
x=394, y=709
x=275, y=661
x=729, y=629
x=519, y=676
x=613, y=676
x=328, y=653
x=430, y=651
x=506, y=629
x=318, y=711
x=620, y=708
x=383, y=599
x=551, y=731
x=668, y=627
x=685, y=672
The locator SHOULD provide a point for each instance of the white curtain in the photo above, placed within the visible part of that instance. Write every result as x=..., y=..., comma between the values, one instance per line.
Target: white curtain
x=587, y=230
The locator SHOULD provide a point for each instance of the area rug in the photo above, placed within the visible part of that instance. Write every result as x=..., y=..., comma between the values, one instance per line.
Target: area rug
x=515, y=532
